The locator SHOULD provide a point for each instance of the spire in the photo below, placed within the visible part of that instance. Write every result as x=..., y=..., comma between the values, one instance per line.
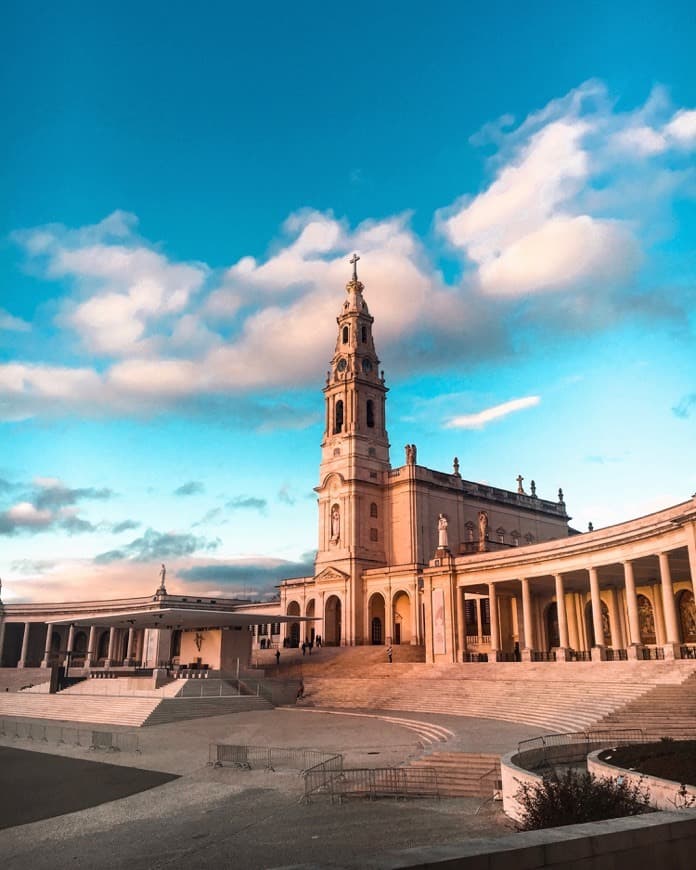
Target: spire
x=355, y=285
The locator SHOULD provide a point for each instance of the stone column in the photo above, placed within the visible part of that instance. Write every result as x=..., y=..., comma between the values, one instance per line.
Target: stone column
x=562, y=653
x=691, y=547
x=129, y=649
x=461, y=618
x=110, y=659
x=660, y=633
x=614, y=621
x=69, y=648
x=574, y=636
x=415, y=606
x=669, y=608
x=91, y=656
x=495, y=632
x=46, y=663
x=632, y=606
x=22, y=663
x=598, y=652
x=479, y=619
x=527, y=620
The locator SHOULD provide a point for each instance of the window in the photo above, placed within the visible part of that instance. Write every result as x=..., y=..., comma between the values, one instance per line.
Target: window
x=370, y=414
x=515, y=538
x=363, y=334
x=470, y=531
x=275, y=628
x=345, y=335
x=371, y=451
x=338, y=417
x=373, y=535
x=529, y=538
x=373, y=510
x=501, y=535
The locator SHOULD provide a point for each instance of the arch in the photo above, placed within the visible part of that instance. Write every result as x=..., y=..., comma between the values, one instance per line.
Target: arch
x=345, y=334
x=103, y=645
x=646, y=620
x=401, y=608
x=293, y=628
x=338, y=417
x=553, y=637
x=80, y=643
x=687, y=615
x=310, y=632
x=332, y=621
x=376, y=614
x=589, y=624
x=370, y=414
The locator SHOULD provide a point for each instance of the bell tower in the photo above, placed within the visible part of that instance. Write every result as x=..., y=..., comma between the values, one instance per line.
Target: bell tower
x=354, y=457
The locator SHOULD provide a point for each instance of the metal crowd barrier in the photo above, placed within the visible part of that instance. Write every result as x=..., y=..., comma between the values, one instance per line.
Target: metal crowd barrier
x=112, y=741
x=573, y=746
x=266, y=757
x=372, y=782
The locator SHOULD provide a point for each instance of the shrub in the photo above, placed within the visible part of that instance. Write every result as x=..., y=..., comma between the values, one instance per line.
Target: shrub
x=579, y=797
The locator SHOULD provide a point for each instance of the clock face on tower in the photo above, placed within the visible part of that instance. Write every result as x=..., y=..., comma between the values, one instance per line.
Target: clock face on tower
x=342, y=365
x=366, y=366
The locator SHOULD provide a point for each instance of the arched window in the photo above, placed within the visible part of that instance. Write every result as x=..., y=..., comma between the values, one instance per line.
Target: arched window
x=373, y=535
x=373, y=510
x=345, y=335
x=338, y=417
x=363, y=334
x=370, y=416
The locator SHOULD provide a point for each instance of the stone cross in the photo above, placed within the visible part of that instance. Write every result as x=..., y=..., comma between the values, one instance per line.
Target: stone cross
x=354, y=262
x=520, y=488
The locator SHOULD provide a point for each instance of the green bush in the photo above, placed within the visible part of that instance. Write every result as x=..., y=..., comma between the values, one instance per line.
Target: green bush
x=579, y=797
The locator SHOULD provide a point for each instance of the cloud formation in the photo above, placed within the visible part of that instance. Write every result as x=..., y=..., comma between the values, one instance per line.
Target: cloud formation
x=560, y=236
x=48, y=504
x=497, y=412
x=154, y=546
x=193, y=487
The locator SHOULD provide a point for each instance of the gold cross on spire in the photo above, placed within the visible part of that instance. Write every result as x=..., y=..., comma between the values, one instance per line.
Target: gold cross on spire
x=354, y=262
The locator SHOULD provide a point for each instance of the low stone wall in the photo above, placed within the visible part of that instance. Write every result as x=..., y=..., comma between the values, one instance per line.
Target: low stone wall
x=663, y=792
x=640, y=842
x=513, y=776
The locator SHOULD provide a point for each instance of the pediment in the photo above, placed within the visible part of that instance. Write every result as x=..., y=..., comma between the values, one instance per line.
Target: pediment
x=330, y=574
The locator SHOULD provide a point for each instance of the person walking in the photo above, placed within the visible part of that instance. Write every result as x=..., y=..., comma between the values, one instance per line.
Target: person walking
x=389, y=654
x=277, y=657
x=304, y=648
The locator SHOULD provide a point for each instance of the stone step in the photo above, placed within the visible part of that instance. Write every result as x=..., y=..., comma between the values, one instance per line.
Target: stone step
x=175, y=710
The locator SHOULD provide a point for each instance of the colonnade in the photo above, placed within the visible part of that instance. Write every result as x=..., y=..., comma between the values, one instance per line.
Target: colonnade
x=619, y=605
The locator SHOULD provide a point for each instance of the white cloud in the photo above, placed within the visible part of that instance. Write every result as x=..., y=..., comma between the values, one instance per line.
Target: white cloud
x=497, y=412
x=10, y=323
x=682, y=128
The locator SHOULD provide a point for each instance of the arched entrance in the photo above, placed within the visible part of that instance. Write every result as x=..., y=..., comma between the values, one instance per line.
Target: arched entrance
x=103, y=647
x=293, y=627
x=687, y=616
x=375, y=609
x=553, y=637
x=332, y=621
x=401, y=607
x=589, y=624
x=646, y=620
x=310, y=632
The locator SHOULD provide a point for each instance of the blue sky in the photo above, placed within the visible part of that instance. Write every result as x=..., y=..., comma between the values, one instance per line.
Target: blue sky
x=181, y=191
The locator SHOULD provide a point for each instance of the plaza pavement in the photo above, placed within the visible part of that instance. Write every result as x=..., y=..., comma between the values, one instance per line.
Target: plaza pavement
x=254, y=819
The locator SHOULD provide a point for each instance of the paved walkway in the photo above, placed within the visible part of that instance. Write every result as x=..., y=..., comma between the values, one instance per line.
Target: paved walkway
x=255, y=819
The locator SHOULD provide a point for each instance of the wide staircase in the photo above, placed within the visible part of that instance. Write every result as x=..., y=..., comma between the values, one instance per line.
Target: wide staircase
x=462, y=774
x=662, y=711
x=130, y=702
x=16, y=679
x=554, y=696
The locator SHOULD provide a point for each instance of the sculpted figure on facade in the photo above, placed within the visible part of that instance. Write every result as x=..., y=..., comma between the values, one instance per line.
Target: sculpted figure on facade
x=483, y=530
x=410, y=454
x=335, y=523
x=442, y=538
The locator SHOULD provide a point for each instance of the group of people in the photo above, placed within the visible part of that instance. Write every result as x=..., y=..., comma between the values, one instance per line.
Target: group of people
x=308, y=645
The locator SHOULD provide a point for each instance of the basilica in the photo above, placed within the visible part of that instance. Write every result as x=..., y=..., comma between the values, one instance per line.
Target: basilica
x=409, y=555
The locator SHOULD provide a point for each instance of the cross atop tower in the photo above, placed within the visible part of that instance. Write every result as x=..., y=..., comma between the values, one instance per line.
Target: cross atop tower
x=354, y=262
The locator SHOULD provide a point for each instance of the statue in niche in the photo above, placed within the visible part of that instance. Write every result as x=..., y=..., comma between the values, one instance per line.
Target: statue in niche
x=335, y=523
x=442, y=539
x=606, y=628
x=483, y=530
x=646, y=620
